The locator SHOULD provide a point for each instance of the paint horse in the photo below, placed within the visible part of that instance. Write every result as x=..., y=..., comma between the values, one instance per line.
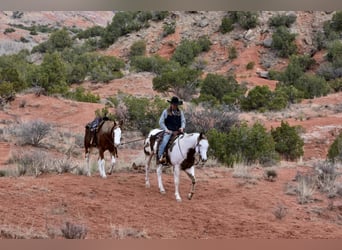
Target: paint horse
x=181, y=155
x=108, y=137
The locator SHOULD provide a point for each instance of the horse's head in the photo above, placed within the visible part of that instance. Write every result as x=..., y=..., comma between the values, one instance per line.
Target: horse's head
x=202, y=147
x=117, y=133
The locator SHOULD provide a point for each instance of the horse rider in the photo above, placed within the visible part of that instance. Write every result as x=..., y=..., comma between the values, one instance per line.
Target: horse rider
x=172, y=121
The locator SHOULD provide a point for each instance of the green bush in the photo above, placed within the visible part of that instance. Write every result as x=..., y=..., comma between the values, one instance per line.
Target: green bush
x=220, y=89
x=334, y=54
x=336, y=21
x=243, y=144
x=138, y=48
x=154, y=64
x=232, y=53
x=169, y=28
x=90, y=32
x=335, y=150
x=204, y=43
x=250, y=65
x=186, y=52
x=312, y=86
x=226, y=25
x=9, y=30
x=141, y=113
x=81, y=95
x=246, y=19
x=288, y=143
x=58, y=41
x=282, y=20
x=261, y=98
x=182, y=81
x=284, y=42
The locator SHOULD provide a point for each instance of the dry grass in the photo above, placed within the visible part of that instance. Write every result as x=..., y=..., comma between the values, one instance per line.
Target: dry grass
x=74, y=231
x=280, y=211
x=306, y=187
x=17, y=232
x=120, y=232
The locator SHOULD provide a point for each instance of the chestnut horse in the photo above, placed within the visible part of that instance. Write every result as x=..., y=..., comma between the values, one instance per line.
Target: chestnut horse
x=108, y=138
x=181, y=155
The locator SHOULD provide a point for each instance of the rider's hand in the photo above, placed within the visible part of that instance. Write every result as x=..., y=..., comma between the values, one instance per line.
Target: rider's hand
x=181, y=130
x=167, y=131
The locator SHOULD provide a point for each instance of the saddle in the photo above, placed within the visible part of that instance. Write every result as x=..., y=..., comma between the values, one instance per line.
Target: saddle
x=160, y=135
x=94, y=127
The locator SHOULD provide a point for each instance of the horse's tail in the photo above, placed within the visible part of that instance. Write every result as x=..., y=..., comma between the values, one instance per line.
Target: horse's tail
x=146, y=145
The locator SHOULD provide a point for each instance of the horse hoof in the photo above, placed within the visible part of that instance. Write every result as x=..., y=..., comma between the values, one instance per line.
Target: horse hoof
x=147, y=185
x=190, y=196
x=179, y=200
x=162, y=192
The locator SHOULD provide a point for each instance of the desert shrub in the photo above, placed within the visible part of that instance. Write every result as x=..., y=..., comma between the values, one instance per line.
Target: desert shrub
x=327, y=176
x=204, y=43
x=226, y=25
x=119, y=233
x=32, y=132
x=306, y=187
x=292, y=94
x=159, y=15
x=9, y=30
x=336, y=21
x=52, y=74
x=154, y=64
x=335, y=150
x=74, y=231
x=80, y=95
x=206, y=118
x=90, y=32
x=31, y=162
x=182, y=81
x=105, y=68
x=247, y=19
x=6, y=90
x=243, y=144
x=270, y=174
x=284, y=42
x=250, y=65
x=169, y=28
x=232, y=53
x=138, y=48
x=185, y=52
x=334, y=54
x=124, y=22
x=218, y=86
x=336, y=85
x=280, y=211
x=288, y=143
x=58, y=41
x=261, y=98
x=282, y=20
x=312, y=86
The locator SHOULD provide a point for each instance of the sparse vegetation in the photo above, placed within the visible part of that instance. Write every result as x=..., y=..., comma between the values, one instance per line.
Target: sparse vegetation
x=74, y=231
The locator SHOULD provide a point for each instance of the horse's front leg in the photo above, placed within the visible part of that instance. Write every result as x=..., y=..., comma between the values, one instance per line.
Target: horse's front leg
x=101, y=163
x=191, y=173
x=160, y=182
x=147, y=170
x=87, y=162
x=176, y=179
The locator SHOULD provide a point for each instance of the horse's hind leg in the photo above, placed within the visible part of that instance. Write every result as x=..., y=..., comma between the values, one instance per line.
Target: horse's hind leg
x=160, y=182
x=191, y=173
x=87, y=152
x=176, y=172
x=112, y=165
x=147, y=170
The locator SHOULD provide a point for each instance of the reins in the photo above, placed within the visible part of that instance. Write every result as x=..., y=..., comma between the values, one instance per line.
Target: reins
x=131, y=141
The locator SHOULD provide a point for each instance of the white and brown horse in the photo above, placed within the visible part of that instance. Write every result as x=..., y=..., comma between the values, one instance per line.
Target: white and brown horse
x=108, y=138
x=181, y=155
